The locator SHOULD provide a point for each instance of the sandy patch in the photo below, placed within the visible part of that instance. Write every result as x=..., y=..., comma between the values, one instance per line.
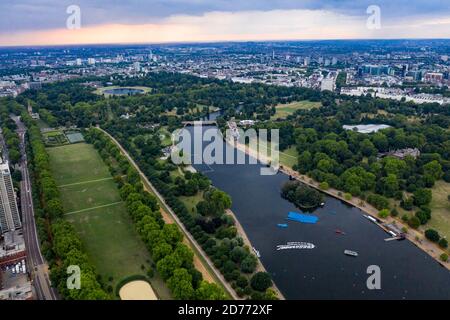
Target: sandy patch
x=137, y=290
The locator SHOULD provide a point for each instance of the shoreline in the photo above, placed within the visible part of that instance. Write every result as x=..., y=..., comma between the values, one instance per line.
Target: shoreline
x=414, y=236
x=260, y=266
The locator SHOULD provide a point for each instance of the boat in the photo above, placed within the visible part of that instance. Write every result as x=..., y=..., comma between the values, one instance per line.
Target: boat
x=296, y=245
x=282, y=225
x=338, y=231
x=351, y=253
x=256, y=252
x=322, y=204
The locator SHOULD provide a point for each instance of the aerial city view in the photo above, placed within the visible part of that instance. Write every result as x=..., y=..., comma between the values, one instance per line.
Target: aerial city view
x=224, y=150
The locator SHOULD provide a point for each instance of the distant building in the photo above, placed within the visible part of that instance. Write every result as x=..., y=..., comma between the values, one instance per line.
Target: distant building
x=328, y=84
x=433, y=77
x=366, y=128
x=78, y=62
x=91, y=61
x=9, y=214
x=402, y=153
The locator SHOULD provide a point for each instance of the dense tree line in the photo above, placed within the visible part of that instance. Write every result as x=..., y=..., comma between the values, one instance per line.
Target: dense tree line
x=59, y=241
x=212, y=228
x=174, y=260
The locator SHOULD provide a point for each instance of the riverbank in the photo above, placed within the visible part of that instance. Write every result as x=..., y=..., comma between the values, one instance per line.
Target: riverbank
x=247, y=242
x=414, y=236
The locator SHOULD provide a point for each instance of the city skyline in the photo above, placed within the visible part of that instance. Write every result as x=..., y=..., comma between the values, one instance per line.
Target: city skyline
x=45, y=22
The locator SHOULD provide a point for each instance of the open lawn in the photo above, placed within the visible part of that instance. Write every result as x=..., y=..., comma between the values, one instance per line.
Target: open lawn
x=92, y=203
x=77, y=163
x=191, y=202
x=440, y=209
x=288, y=157
x=284, y=110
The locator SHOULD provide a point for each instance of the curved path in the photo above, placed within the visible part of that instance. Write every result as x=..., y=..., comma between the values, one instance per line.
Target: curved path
x=188, y=235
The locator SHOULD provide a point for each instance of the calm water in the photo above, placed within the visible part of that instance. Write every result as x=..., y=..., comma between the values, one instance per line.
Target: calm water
x=124, y=91
x=325, y=272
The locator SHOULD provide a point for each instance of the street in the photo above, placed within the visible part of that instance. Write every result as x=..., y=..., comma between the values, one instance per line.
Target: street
x=37, y=265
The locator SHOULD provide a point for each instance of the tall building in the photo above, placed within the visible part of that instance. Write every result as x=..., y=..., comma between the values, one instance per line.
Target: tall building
x=9, y=214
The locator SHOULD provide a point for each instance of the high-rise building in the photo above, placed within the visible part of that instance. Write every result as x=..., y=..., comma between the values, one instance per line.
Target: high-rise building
x=91, y=61
x=9, y=214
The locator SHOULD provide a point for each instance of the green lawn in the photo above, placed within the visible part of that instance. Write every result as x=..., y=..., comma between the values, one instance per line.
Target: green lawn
x=440, y=209
x=166, y=137
x=77, y=163
x=287, y=157
x=191, y=202
x=92, y=203
x=284, y=110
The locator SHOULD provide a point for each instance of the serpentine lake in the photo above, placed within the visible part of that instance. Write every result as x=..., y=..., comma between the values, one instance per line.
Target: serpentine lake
x=324, y=272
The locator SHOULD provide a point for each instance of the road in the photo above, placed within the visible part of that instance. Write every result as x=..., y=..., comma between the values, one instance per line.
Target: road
x=36, y=263
x=176, y=219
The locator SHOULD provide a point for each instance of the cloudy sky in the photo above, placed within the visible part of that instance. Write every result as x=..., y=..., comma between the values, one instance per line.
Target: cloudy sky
x=41, y=22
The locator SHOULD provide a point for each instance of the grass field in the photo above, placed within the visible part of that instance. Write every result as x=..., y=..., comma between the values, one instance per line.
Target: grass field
x=92, y=203
x=440, y=208
x=284, y=110
x=288, y=157
x=191, y=202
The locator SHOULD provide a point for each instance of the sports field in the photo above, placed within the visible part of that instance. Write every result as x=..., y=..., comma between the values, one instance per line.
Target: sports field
x=284, y=110
x=92, y=203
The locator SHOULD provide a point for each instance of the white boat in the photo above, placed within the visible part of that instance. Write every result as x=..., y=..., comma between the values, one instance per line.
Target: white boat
x=256, y=252
x=351, y=253
x=295, y=245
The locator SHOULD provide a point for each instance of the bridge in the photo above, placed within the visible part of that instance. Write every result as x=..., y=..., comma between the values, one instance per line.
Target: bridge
x=199, y=123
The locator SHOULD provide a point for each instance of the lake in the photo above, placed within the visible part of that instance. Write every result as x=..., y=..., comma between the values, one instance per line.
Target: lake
x=324, y=272
x=124, y=91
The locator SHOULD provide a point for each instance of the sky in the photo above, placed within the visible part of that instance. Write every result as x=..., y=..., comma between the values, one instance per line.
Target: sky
x=45, y=22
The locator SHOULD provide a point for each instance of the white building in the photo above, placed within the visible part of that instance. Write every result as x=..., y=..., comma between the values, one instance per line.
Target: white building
x=91, y=61
x=9, y=214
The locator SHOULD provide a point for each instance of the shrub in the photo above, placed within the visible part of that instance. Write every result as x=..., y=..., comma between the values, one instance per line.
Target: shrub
x=324, y=185
x=443, y=243
x=261, y=281
x=383, y=213
x=394, y=212
x=444, y=257
x=432, y=235
x=348, y=196
x=414, y=222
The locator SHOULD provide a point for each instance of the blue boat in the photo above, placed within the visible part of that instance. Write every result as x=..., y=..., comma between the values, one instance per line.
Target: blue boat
x=302, y=217
x=282, y=225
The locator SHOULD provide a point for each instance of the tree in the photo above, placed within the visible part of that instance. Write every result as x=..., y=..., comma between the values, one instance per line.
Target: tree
x=422, y=196
x=443, y=243
x=181, y=284
x=434, y=169
x=414, y=222
x=432, y=235
x=209, y=291
x=238, y=254
x=261, y=281
x=161, y=250
x=167, y=265
x=248, y=265
x=383, y=213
